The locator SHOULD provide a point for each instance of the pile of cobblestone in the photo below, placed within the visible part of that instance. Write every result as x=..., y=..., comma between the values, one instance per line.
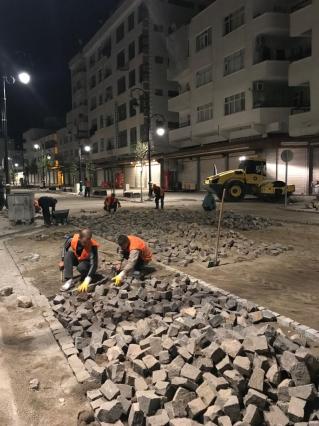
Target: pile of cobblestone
x=182, y=238
x=170, y=352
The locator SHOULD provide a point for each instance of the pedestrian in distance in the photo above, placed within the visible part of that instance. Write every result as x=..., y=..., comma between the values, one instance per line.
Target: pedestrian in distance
x=80, y=251
x=111, y=203
x=47, y=203
x=87, y=188
x=135, y=255
x=159, y=196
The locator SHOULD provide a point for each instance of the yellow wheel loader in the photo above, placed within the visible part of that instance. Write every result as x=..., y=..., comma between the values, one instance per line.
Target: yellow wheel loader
x=248, y=179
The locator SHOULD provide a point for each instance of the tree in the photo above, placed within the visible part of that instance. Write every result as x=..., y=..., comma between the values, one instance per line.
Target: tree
x=141, y=151
x=89, y=169
x=73, y=169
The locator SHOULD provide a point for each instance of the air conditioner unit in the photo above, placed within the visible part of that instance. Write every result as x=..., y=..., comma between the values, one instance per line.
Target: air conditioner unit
x=259, y=86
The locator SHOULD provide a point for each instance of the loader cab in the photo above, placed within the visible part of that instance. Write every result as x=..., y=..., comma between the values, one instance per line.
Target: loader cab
x=253, y=167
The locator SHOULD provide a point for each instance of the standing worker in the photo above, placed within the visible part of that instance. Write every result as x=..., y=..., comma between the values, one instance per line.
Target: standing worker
x=111, y=203
x=135, y=254
x=159, y=195
x=80, y=251
x=87, y=188
x=46, y=203
x=2, y=198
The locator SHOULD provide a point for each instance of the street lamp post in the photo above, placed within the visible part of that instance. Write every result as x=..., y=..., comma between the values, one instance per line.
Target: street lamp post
x=24, y=78
x=147, y=122
x=87, y=149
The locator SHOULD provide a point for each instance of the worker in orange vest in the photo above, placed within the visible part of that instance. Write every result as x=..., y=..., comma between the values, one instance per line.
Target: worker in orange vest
x=136, y=252
x=111, y=203
x=80, y=251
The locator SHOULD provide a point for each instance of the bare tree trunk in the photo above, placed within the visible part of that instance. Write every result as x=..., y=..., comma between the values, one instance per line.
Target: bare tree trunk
x=141, y=182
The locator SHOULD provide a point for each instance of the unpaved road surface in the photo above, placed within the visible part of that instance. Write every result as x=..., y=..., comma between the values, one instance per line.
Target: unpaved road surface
x=287, y=283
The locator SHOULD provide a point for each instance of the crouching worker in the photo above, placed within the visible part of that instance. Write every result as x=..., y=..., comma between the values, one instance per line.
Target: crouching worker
x=111, y=203
x=136, y=254
x=79, y=251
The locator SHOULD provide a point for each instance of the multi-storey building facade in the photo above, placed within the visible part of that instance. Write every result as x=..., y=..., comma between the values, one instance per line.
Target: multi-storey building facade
x=42, y=161
x=246, y=71
x=128, y=52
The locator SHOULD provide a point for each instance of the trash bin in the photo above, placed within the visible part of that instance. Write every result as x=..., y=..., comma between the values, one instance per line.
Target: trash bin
x=21, y=207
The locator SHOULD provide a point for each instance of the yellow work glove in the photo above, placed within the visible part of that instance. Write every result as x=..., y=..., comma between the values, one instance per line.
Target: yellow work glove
x=83, y=288
x=117, y=280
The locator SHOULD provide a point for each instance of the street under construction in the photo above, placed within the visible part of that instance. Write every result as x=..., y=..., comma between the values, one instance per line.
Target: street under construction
x=188, y=340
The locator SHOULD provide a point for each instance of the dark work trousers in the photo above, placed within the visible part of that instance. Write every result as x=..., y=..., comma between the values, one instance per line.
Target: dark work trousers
x=70, y=261
x=157, y=199
x=46, y=215
x=87, y=192
x=111, y=207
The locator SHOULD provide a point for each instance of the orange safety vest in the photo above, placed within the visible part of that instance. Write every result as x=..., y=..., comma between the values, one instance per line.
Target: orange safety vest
x=86, y=250
x=140, y=245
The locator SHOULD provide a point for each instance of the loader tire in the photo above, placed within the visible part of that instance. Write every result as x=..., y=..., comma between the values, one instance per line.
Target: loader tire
x=235, y=191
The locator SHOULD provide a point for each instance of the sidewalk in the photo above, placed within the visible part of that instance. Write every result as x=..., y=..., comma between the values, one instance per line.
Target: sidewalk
x=28, y=351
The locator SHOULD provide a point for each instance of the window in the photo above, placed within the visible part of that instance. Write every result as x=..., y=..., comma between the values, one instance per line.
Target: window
x=101, y=121
x=109, y=120
x=204, y=39
x=143, y=72
x=107, y=47
x=93, y=103
x=235, y=103
x=159, y=60
x=234, y=62
x=172, y=93
x=95, y=149
x=100, y=99
x=234, y=20
x=133, y=136
x=204, y=76
x=110, y=144
x=122, y=138
x=121, y=60
x=107, y=72
x=133, y=107
x=121, y=112
x=205, y=112
x=142, y=43
x=158, y=92
x=108, y=94
x=102, y=147
x=141, y=12
x=92, y=82
x=131, y=21
x=121, y=85
x=131, y=78
x=131, y=50
x=120, y=33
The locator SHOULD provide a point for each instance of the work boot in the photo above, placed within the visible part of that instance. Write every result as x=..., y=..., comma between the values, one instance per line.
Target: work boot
x=67, y=285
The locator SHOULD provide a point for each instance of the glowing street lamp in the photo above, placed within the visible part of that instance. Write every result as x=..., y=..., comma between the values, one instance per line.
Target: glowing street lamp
x=87, y=148
x=16, y=165
x=23, y=78
x=160, y=131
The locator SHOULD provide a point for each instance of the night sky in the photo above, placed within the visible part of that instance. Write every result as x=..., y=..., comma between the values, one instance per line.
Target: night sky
x=41, y=36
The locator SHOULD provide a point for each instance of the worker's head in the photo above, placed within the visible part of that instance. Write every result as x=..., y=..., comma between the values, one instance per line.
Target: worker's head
x=123, y=242
x=85, y=236
x=113, y=195
x=154, y=186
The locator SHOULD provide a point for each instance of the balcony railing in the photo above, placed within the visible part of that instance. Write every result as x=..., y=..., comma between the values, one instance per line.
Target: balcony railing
x=270, y=9
x=300, y=110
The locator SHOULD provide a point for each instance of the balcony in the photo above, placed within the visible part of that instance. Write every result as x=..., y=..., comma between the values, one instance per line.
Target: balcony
x=183, y=133
x=300, y=71
x=270, y=69
x=271, y=23
x=301, y=20
x=180, y=102
x=303, y=123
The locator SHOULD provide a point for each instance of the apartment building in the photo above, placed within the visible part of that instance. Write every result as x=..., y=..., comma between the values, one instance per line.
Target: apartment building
x=118, y=79
x=42, y=161
x=246, y=72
